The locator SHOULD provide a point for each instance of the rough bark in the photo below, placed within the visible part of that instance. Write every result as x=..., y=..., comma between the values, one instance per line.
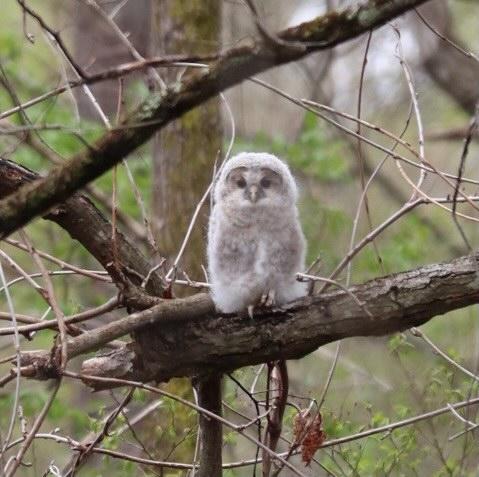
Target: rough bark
x=234, y=66
x=186, y=338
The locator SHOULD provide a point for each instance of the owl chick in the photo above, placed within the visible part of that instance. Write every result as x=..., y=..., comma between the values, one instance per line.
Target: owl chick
x=255, y=242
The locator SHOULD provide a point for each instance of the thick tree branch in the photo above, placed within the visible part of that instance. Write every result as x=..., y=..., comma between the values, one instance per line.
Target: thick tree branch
x=234, y=66
x=204, y=342
x=396, y=302
x=85, y=223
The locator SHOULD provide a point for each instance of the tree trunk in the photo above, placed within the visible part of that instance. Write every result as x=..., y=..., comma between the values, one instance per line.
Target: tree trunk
x=97, y=47
x=185, y=152
x=211, y=432
x=453, y=71
x=184, y=156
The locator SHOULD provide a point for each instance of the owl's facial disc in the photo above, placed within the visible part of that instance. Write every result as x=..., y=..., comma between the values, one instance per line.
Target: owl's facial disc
x=256, y=186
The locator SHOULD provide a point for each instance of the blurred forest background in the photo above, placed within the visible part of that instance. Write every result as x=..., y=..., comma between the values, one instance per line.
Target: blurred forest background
x=154, y=193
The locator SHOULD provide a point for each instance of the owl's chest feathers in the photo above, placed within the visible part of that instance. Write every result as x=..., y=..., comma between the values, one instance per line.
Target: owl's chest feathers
x=255, y=220
x=256, y=249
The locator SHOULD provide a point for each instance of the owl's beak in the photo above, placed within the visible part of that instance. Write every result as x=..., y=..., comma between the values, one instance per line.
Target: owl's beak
x=252, y=193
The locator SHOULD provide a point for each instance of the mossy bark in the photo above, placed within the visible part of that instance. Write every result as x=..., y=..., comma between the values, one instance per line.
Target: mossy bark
x=185, y=151
x=184, y=156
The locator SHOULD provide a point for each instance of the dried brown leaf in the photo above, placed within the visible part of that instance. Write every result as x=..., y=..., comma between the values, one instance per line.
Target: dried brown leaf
x=308, y=434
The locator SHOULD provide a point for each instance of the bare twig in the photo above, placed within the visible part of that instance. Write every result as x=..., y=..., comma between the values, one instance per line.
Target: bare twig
x=467, y=141
x=52, y=301
x=203, y=411
x=469, y=54
x=234, y=66
x=16, y=372
x=16, y=461
x=123, y=39
x=418, y=333
x=69, y=320
x=83, y=455
x=54, y=35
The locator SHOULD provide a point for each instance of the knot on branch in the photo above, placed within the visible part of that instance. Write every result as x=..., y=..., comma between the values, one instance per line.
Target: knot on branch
x=39, y=365
x=119, y=363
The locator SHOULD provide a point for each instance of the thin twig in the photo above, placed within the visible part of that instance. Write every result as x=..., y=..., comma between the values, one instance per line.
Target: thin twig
x=16, y=342
x=110, y=305
x=469, y=54
x=52, y=301
x=189, y=404
x=16, y=461
x=124, y=39
x=361, y=158
x=418, y=333
x=54, y=35
x=467, y=141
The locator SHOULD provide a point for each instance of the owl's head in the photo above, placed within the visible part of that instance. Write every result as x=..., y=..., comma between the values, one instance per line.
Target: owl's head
x=255, y=181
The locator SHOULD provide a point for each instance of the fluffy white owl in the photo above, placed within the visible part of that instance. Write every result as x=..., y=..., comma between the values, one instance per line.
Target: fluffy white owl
x=255, y=242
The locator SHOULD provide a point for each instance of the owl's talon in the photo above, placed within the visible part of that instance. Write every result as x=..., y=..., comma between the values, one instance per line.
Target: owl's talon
x=270, y=299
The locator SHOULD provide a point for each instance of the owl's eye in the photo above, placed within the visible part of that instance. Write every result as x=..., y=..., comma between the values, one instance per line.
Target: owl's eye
x=265, y=183
x=241, y=183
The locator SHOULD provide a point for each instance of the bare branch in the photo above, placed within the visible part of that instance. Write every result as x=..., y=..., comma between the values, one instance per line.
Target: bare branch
x=234, y=66
x=85, y=223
